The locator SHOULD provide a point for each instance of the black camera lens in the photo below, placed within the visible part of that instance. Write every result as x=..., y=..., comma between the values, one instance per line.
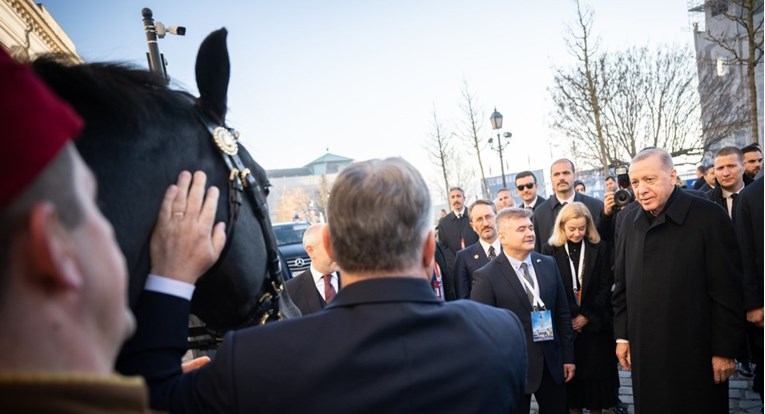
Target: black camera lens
x=622, y=197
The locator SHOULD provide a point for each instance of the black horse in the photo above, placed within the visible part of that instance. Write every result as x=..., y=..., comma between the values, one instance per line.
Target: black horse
x=138, y=136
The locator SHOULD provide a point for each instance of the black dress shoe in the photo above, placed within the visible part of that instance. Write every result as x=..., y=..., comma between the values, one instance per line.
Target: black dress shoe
x=745, y=369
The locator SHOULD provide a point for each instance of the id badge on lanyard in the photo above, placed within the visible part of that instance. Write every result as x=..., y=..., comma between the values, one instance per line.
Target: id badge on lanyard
x=576, y=276
x=541, y=317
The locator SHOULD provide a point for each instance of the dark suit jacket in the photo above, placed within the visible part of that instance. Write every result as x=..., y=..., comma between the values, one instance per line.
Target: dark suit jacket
x=497, y=284
x=447, y=274
x=546, y=213
x=540, y=200
x=452, y=232
x=468, y=261
x=748, y=220
x=383, y=345
x=715, y=194
x=302, y=290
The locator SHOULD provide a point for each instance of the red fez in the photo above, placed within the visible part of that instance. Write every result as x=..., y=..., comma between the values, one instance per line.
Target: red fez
x=36, y=126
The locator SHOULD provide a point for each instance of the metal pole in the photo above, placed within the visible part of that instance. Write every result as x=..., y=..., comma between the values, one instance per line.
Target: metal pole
x=155, y=60
x=501, y=162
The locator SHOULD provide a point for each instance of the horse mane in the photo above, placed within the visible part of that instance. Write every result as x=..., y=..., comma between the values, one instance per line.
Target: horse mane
x=113, y=93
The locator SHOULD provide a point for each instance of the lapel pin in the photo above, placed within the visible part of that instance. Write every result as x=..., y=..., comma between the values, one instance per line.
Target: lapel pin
x=539, y=260
x=475, y=257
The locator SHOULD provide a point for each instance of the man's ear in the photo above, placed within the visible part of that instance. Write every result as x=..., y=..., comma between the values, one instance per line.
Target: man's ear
x=325, y=239
x=429, y=253
x=51, y=253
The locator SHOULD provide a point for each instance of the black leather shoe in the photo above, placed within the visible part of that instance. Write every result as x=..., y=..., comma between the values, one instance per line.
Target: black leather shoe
x=745, y=369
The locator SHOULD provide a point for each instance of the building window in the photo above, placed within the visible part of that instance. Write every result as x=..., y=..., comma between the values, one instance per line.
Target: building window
x=719, y=7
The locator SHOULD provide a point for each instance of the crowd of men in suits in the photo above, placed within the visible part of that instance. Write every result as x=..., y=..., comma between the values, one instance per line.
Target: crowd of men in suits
x=687, y=285
x=383, y=341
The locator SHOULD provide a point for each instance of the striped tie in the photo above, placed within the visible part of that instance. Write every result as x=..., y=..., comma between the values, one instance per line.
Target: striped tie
x=527, y=276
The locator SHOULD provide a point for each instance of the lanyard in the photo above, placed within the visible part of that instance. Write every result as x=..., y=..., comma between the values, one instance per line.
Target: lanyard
x=576, y=276
x=534, y=290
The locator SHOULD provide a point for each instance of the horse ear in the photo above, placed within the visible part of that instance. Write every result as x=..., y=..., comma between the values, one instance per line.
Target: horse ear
x=212, y=71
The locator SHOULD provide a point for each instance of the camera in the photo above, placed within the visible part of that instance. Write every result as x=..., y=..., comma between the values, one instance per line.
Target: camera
x=623, y=195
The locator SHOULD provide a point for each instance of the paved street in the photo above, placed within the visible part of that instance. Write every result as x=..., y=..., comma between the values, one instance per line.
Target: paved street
x=742, y=399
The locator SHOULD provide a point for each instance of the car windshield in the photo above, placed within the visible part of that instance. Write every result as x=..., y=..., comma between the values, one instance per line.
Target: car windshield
x=291, y=233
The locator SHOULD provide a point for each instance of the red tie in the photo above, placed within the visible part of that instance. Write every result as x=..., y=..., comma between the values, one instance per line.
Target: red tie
x=329, y=290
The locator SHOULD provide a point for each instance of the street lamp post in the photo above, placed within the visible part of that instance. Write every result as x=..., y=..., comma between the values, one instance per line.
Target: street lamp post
x=496, y=124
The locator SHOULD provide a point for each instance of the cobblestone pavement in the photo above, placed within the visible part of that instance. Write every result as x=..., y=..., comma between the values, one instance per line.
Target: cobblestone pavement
x=741, y=398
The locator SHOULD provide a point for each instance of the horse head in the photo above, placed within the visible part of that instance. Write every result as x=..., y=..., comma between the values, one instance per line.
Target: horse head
x=139, y=134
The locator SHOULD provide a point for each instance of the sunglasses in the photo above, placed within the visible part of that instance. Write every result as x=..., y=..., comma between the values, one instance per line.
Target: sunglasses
x=528, y=186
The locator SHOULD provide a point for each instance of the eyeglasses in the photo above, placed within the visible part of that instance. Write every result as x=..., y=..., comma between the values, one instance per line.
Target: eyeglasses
x=528, y=186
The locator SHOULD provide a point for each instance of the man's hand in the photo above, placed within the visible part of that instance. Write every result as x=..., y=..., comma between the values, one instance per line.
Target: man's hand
x=184, y=244
x=608, y=203
x=623, y=353
x=579, y=322
x=195, y=364
x=755, y=316
x=723, y=368
x=568, y=372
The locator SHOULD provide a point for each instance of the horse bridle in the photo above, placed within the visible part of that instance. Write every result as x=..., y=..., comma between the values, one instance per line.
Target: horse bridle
x=241, y=182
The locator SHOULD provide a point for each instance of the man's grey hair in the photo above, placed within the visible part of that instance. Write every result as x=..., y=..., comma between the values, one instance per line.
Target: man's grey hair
x=513, y=213
x=312, y=234
x=480, y=201
x=378, y=216
x=664, y=157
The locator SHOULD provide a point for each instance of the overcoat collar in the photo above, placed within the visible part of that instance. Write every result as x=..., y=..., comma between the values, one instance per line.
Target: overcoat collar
x=385, y=289
x=677, y=210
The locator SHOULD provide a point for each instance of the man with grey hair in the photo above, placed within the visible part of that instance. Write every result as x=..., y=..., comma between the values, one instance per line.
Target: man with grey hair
x=312, y=289
x=385, y=343
x=673, y=309
x=529, y=284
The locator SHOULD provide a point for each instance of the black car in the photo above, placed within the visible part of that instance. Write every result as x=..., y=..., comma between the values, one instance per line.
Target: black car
x=289, y=238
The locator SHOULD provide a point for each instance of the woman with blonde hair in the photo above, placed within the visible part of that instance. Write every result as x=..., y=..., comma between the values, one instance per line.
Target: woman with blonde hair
x=583, y=261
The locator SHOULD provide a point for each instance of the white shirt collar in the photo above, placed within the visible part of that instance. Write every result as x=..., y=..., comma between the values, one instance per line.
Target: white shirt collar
x=485, y=246
x=569, y=200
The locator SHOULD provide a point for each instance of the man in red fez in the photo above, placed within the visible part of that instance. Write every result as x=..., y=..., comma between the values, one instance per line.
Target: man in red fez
x=63, y=278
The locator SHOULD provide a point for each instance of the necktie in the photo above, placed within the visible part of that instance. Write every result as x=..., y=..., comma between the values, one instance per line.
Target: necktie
x=733, y=198
x=527, y=276
x=492, y=253
x=329, y=290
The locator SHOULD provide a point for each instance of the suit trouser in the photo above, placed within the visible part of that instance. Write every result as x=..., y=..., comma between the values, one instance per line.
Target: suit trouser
x=550, y=395
x=754, y=335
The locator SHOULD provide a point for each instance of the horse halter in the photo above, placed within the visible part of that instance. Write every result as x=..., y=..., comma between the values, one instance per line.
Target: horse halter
x=241, y=181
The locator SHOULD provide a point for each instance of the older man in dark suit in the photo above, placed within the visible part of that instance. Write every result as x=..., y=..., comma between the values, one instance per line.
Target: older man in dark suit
x=454, y=230
x=673, y=309
x=317, y=285
x=386, y=343
x=530, y=285
x=562, y=174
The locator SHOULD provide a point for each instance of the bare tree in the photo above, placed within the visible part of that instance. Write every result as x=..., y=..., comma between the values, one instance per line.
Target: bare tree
x=321, y=198
x=440, y=150
x=610, y=105
x=471, y=129
x=294, y=201
x=653, y=101
x=579, y=94
x=743, y=43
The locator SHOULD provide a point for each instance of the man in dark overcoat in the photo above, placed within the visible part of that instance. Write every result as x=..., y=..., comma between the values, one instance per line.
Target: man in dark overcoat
x=676, y=310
